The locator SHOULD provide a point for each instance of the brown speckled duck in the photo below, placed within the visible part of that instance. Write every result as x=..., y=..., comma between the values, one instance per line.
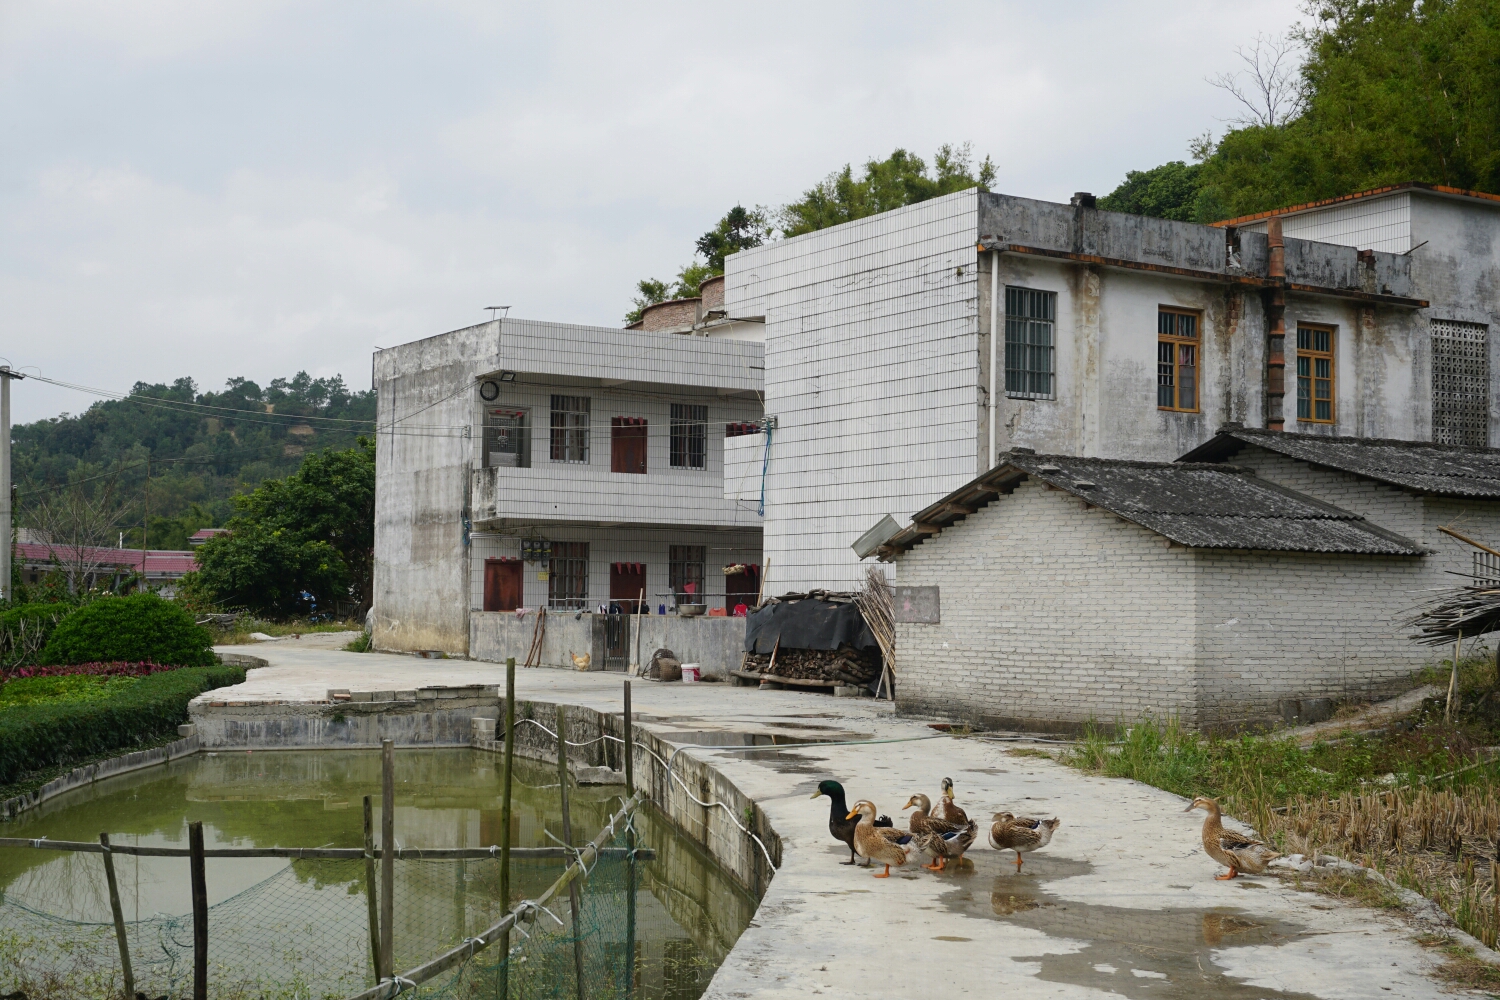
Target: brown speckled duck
x=946, y=809
x=1235, y=851
x=1022, y=834
x=882, y=845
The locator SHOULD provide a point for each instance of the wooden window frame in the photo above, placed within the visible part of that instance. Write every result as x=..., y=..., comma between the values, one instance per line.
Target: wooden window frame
x=1178, y=341
x=628, y=445
x=1313, y=356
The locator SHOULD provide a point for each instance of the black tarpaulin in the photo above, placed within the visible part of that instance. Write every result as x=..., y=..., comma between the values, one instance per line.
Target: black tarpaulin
x=807, y=624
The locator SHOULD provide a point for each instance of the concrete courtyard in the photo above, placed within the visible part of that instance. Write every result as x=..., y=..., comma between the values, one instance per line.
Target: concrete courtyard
x=1122, y=903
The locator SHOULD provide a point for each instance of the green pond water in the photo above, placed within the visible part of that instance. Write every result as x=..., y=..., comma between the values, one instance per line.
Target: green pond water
x=301, y=925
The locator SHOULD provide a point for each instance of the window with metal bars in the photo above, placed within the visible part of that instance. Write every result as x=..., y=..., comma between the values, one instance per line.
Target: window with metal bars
x=507, y=438
x=1030, y=317
x=570, y=429
x=685, y=572
x=1176, y=360
x=1315, y=374
x=1486, y=570
x=568, y=575
x=689, y=439
x=1460, y=383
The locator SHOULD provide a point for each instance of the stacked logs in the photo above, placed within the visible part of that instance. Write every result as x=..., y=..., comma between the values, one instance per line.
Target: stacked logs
x=845, y=665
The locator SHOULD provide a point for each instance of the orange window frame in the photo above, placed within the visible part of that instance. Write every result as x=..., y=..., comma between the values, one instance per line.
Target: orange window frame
x=1317, y=374
x=1179, y=360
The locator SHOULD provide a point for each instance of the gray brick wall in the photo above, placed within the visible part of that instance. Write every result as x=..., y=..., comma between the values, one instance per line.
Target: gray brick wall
x=1055, y=613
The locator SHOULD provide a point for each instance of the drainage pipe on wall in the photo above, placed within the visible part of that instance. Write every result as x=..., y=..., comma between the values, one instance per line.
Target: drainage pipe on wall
x=994, y=351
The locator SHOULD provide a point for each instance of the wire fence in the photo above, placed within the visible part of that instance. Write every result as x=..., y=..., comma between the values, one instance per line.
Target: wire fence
x=304, y=931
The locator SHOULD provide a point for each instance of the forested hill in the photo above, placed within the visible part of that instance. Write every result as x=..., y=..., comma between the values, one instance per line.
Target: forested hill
x=203, y=448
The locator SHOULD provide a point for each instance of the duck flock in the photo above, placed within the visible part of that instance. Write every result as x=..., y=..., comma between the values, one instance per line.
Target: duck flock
x=945, y=832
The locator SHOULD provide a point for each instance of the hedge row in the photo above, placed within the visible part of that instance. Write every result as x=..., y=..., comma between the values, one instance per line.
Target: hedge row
x=33, y=737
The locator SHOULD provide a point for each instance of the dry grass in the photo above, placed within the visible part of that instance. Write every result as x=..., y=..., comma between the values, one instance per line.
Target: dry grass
x=1441, y=843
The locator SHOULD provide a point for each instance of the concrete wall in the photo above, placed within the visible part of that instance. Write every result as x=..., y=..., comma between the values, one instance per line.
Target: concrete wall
x=715, y=643
x=1055, y=613
x=425, y=717
x=872, y=342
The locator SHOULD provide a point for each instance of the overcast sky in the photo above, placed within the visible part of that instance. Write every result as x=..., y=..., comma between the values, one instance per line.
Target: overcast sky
x=252, y=188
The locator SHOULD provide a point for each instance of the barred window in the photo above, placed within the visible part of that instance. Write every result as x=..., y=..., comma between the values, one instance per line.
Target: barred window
x=1486, y=570
x=1315, y=374
x=1029, y=319
x=507, y=438
x=689, y=436
x=685, y=572
x=1176, y=360
x=570, y=429
x=568, y=575
x=1460, y=383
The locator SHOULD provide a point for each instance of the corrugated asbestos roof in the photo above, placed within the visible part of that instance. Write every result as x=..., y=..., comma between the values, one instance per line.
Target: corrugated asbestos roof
x=1197, y=505
x=1434, y=469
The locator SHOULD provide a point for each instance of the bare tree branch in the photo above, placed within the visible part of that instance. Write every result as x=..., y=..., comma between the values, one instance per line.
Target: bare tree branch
x=79, y=521
x=1270, y=88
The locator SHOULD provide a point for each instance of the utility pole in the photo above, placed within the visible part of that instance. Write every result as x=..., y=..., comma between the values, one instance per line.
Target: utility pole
x=6, y=514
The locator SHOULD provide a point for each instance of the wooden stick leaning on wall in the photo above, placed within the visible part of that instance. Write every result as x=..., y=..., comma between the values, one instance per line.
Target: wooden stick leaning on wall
x=538, y=636
x=1452, y=704
x=372, y=897
x=200, y=910
x=567, y=829
x=117, y=912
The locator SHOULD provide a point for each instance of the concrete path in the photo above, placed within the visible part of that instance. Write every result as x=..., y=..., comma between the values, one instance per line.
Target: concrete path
x=1122, y=903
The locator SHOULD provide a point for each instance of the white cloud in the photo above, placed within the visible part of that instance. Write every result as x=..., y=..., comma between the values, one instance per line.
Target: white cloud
x=248, y=189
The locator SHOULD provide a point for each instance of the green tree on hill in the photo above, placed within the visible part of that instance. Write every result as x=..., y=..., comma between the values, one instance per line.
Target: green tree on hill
x=312, y=532
x=1391, y=91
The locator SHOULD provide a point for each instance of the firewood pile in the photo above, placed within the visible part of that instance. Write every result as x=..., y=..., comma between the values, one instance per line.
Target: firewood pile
x=845, y=665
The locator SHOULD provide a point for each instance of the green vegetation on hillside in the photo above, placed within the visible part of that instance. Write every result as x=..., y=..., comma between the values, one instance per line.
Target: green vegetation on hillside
x=1390, y=91
x=84, y=478
x=900, y=179
x=310, y=533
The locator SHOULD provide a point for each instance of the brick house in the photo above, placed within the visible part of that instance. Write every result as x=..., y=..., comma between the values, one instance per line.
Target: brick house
x=1076, y=589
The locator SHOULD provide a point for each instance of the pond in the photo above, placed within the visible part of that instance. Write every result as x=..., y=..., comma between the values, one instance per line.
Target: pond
x=300, y=928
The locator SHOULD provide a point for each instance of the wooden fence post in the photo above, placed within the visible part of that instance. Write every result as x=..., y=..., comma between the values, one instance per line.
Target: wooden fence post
x=118, y=913
x=200, y=910
x=387, y=859
x=629, y=746
x=567, y=825
x=506, y=771
x=371, y=896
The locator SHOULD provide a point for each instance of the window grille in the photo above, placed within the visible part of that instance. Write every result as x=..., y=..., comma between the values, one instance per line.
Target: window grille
x=1176, y=360
x=570, y=429
x=568, y=576
x=507, y=438
x=1486, y=570
x=689, y=436
x=1315, y=374
x=685, y=572
x=1460, y=383
x=1029, y=319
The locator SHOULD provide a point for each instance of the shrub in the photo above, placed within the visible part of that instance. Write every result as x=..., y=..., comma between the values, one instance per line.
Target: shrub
x=114, y=668
x=138, y=627
x=47, y=734
x=25, y=629
x=58, y=688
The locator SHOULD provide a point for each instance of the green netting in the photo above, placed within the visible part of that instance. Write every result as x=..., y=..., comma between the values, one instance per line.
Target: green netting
x=303, y=932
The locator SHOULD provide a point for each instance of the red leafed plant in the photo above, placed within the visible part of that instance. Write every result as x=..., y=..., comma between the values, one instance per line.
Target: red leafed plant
x=115, y=669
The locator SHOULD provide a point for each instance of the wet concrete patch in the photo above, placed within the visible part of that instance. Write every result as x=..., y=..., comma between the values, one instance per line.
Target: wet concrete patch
x=1133, y=953
x=799, y=762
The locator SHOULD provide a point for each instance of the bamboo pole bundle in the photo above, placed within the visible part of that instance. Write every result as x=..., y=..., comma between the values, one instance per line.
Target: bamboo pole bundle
x=877, y=604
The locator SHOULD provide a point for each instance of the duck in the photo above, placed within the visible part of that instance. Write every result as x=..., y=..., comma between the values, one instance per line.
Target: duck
x=1235, y=851
x=943, y=846
x=881, y=845
x=923, y=822
x=839, y=823
x=1022, y=834
x=947, y=809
